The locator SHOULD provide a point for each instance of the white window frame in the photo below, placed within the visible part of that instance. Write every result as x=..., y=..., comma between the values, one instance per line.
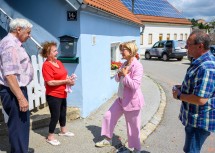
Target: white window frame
x=175, y=36
x=114, y=55
x=150, y=38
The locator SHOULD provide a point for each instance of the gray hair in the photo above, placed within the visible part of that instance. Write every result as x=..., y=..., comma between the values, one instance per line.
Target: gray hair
x=201, y=37
x=22, y=23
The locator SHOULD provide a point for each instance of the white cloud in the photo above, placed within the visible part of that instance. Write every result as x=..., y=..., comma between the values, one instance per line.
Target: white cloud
x=197, y=9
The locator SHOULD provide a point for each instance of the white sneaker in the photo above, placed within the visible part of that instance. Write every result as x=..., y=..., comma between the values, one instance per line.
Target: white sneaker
x=104, y=143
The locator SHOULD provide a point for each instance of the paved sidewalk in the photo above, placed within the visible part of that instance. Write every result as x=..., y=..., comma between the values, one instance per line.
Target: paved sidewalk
x=87, y=131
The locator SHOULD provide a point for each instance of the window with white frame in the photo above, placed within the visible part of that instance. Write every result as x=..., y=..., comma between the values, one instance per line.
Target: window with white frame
x=150, y=39
x=185, y=36
x=115, y=57
x=181, y=36
x=175, y=36
x=160, y=37
x=168, y=36
x=141, y=39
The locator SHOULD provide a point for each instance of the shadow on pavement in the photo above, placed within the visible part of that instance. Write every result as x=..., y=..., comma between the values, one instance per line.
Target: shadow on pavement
x=186, y=63
x=123, y=149
x=96, y=131
x=4, y=144
x=45, y=131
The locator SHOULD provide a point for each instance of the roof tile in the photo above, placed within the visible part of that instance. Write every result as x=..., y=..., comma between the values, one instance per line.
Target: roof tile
x=115, y=7
x=159, y=19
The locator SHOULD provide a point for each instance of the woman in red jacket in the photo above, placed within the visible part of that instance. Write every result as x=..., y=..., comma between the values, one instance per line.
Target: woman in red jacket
x=56, y=79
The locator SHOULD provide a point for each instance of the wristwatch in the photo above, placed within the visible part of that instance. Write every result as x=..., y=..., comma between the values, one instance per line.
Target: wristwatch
x=179, y=95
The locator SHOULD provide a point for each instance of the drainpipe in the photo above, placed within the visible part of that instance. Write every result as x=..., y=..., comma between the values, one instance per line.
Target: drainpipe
x=75, y=4
x=132, y=9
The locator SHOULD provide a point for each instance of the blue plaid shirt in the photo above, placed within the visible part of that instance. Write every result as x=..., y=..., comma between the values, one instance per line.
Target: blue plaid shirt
x=200, y=81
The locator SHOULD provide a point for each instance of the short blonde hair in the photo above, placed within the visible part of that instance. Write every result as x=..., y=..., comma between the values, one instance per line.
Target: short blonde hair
x=45, y=51
x=131, y=46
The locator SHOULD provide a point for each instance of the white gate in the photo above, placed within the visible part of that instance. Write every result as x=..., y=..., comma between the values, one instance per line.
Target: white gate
x=36, y=89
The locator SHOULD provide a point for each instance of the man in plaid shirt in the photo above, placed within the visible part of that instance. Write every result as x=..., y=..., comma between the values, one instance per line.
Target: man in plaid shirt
x=197, y=93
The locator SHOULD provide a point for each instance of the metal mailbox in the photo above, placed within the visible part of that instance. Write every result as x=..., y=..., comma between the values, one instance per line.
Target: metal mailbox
x=68, y=46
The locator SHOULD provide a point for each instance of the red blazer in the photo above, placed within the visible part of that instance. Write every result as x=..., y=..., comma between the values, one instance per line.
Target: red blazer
x=132, y=94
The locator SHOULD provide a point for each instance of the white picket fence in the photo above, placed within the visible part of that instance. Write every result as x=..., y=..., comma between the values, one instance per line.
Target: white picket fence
x=36, y=89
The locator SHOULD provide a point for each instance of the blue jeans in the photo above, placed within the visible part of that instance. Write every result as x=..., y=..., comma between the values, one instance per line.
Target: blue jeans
x=194, y=139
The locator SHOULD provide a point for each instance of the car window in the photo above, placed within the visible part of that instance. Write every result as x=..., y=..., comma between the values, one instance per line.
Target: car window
x=212, y=49
x=161, y=45
x=180, y=44
x=156, y=45
x=168, y=44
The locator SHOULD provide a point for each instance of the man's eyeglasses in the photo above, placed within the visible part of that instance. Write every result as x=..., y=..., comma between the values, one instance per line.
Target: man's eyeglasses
x=189, y=44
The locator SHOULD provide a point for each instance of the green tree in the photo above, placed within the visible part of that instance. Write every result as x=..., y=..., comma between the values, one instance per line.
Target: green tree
x=194, y=22
x=201, y=26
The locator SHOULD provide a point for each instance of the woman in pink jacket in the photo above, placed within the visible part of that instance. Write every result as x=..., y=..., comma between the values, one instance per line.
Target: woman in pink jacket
x=129, y=102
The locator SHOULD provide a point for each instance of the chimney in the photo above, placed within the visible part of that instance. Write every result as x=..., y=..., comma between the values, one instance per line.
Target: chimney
x=132, y=8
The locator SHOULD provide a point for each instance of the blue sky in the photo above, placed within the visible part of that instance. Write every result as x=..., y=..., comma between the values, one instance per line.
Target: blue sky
x=197, y=9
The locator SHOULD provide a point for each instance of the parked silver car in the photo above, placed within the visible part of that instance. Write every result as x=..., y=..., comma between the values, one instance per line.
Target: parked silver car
x=212, y=49
x=167, y=49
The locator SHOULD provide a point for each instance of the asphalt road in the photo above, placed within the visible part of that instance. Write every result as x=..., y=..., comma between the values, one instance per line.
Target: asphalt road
x=169, y=136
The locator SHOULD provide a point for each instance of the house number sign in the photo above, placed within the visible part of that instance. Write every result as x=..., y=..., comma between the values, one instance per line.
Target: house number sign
x=71, y=15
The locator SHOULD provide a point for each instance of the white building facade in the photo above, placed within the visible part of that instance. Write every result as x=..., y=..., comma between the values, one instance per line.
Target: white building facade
x=154, y=32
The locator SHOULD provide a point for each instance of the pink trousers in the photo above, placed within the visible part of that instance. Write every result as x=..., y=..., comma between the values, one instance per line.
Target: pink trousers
x=133, y=121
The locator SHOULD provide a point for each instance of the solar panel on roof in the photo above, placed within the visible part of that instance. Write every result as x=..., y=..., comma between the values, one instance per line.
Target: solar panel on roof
x=153, y=7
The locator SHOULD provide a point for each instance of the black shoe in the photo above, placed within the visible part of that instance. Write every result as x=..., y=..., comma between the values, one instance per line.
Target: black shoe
x=123, y=149
x=30, y=150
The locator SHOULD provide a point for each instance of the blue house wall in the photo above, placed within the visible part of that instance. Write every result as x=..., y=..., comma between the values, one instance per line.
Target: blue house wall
x=98, y=85
x=94, y=84
x=49, y=19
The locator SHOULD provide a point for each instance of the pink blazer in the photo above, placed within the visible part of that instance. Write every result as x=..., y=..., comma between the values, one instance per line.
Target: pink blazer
x=132, y=94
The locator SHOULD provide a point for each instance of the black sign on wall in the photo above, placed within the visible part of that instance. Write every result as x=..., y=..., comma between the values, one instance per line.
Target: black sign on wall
x=71, y=15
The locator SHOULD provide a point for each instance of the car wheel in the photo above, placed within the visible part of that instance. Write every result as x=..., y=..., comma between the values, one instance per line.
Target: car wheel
x=147, y=56
x=179, y=59
x=165, y=57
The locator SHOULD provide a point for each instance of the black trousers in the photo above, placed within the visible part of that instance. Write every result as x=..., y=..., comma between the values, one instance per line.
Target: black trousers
x=18, y=122
x=57, y=107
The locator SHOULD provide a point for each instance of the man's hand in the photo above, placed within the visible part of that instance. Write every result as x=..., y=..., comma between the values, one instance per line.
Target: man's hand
x=176, y=91
x=23, y=104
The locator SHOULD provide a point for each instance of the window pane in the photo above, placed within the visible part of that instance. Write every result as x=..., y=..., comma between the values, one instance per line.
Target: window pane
x=150, y=39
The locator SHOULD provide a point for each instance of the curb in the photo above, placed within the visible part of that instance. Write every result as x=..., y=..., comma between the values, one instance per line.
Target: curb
x=156, y=118
x=151, y=126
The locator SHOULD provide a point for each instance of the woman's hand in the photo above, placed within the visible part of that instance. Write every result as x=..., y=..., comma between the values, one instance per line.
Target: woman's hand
x=70, y=82
x=124, y=71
